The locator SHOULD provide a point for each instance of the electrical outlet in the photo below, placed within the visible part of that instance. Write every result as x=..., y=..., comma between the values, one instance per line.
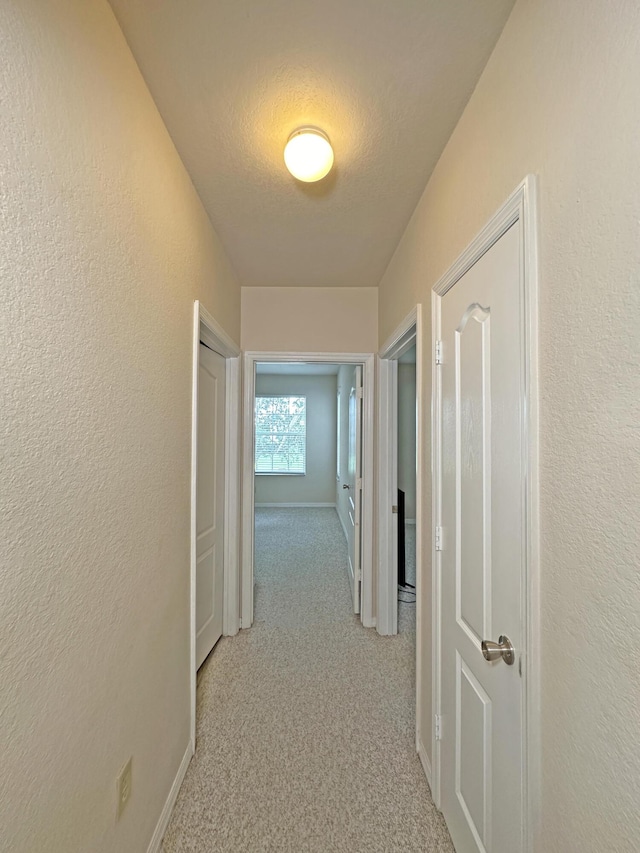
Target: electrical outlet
x=123, y=788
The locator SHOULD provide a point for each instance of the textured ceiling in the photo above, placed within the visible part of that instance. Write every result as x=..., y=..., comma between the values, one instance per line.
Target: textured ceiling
x=386, y=79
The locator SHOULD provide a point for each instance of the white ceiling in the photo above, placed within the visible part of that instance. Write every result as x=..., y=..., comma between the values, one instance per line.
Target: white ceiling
x=387, y=80
x=297, y=369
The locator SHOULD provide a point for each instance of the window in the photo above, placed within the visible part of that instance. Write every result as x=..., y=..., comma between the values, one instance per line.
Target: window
x=281, y=435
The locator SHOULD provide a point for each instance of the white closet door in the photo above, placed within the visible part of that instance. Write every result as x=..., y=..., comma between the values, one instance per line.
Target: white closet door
x=210, y=501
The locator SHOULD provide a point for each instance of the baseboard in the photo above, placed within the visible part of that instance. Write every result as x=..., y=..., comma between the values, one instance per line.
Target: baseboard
x=426, y=764
x=165, y=816
x=293, y=505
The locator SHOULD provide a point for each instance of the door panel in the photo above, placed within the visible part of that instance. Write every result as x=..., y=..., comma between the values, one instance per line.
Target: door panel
x=355, y=488
x=482, y=561
x=210, y=502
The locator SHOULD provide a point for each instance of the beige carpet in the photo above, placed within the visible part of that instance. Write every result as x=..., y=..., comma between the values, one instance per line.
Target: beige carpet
x=305, y=722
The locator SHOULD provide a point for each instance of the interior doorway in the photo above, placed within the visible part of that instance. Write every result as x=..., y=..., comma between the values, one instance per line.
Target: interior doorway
x=308, y=442
x=399, y=454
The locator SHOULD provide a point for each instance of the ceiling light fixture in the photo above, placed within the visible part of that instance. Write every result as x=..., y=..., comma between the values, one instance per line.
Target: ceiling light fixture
x=308, y=154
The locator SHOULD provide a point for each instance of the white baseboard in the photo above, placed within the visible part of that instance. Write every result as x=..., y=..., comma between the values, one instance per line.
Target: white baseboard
x=165, y=816
x=426, y=764
x=285, y=505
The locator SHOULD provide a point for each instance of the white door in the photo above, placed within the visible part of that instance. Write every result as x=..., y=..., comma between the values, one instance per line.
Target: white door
x=210, y=501
x=483, y=552
x=355, y=487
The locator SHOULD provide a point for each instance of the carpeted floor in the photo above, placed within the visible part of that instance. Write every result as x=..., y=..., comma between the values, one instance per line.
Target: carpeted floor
x=306, y=722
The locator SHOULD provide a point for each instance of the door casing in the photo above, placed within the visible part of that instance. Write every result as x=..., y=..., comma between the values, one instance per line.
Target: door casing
x=248, y=477
x=519, y=208
x=206, y=328
x=407, y=334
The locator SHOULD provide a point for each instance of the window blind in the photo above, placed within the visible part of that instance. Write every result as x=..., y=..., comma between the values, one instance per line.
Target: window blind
x=281, y=435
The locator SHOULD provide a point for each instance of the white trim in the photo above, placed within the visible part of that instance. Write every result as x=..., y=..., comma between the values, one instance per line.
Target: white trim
x=215, y=336
x=387, y=568
x=248, y=476
x=436, y=444
x=424, y=760
x=207, y=329
x=193, y=533
x=295, y=504
x=420, y=521
x=167, y=809
x=402, y=338
x=231, y=589
x=520, y=208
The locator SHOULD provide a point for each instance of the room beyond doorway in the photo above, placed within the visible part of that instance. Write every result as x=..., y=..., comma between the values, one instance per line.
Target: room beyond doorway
x=308, y=441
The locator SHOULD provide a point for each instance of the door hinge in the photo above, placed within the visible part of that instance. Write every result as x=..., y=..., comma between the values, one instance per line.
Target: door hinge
x=438, y=352
x=359, y=393
x=438, y=539
x=438, y=727
x=359, y=483
x=394, y=510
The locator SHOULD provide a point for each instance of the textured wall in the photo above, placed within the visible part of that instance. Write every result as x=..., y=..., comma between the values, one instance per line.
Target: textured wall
x=560, y=98
x=310, y=319
x=104, y=247
x=407, y=436
x=319, y=483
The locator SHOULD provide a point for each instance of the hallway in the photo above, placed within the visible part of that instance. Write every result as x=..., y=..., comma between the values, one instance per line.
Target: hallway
x=306, y=722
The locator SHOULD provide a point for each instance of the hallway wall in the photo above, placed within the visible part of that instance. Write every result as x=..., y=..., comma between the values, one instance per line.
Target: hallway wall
x=105, y=245
x=318, y=485
x=560, y=98
x=310, y=319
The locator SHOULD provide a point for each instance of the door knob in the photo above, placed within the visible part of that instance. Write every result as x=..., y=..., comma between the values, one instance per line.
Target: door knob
x=502, y=649
x=345, y=486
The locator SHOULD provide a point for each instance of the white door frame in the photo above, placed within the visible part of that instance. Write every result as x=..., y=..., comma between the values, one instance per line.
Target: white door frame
x=205, y=328
x=520, y=208
x=248, y=477
x=404, y=336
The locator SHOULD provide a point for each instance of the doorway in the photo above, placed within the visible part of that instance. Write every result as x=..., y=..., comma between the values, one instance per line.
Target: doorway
x=276, y=383
x=215, y=484
x=399, y=464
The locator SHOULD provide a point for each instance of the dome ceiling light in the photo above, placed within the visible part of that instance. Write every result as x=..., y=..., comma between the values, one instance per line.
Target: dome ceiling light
x=308, y=154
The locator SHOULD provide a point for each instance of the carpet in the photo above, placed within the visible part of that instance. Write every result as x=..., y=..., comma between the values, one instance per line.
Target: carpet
x=305, y=723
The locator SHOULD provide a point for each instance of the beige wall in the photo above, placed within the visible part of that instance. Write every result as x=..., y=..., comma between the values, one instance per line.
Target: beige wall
x=104, y=247
x=310, y=319
x=407, y=437
x=318, y=485
x=560, y=98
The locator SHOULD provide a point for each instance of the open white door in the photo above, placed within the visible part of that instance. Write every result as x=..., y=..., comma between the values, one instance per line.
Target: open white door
x=483, y=552
x=210, y=501
x=355, y=487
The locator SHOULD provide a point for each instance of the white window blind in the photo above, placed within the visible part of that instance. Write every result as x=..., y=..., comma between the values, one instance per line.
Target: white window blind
x=281, y=435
